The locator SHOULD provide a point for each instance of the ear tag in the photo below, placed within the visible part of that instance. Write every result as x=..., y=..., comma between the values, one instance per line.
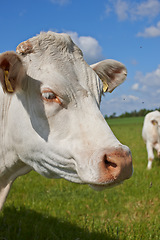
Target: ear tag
x=105, y=86
x=7, y=82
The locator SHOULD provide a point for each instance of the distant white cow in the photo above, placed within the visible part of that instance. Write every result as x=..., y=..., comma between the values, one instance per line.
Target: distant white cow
x=151, y=135
x=50, y=120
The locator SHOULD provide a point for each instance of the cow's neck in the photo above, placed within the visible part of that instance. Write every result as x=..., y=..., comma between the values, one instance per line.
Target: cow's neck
x=10, y=165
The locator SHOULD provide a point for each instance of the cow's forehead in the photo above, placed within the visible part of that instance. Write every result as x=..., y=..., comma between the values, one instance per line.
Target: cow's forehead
x=52, y=50
x=55, y=59
x=156, y=115
x=51, y=44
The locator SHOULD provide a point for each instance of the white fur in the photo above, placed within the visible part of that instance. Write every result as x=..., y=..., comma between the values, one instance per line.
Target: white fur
x=151, y=135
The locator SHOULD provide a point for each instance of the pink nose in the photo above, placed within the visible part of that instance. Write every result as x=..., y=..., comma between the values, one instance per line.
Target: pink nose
x=115, y=166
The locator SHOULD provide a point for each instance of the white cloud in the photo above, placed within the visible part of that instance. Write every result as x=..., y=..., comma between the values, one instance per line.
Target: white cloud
x=150, y=8
x=60, y=2
x=158, y=91
x=149, y=80
x=119, y=104
x=135, y=86
x=147, y=87
x=90, y=47
x=153, y=31
x=134, y=62
x=134, y=10
x=130, y=98
x=121, y=8
x=108, y=9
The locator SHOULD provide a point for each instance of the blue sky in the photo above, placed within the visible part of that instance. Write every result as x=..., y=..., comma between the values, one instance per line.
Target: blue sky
x=124, y=30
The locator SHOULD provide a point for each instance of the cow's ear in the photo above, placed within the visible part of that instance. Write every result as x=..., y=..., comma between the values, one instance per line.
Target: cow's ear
x=11, y=71
x=111, y=72
x=154, y=122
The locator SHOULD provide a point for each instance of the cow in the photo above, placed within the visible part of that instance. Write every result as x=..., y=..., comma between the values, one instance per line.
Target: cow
x=151, y=135
x=50, y=115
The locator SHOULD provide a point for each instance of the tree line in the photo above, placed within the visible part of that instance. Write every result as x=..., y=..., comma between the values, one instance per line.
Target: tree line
x=140, y=113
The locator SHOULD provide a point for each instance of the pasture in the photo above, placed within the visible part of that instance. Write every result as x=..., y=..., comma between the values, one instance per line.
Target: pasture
x=47, y=209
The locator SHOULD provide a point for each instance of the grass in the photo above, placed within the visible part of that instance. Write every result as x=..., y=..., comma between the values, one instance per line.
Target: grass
x=43, y=209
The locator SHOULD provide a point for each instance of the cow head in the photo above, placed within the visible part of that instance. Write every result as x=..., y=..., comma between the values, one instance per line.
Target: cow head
x=55, y=122
x=155, y=119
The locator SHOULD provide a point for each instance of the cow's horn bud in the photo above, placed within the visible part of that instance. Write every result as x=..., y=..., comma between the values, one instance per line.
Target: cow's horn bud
x=24, y=48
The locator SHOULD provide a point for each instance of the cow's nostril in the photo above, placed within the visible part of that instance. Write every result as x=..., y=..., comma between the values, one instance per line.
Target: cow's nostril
x=108, y=163
x=114, y=166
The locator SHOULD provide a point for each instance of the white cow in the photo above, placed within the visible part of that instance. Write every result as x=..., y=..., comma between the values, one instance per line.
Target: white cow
x=50, y=117
x=151, y=135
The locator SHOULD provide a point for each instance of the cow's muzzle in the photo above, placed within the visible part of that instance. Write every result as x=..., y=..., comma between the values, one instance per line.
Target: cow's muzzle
x=114, y=166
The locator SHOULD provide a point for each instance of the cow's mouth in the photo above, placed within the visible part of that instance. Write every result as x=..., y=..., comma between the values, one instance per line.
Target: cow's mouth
x=100, y=187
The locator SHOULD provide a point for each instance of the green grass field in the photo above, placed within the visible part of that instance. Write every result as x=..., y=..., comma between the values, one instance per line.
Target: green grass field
x=43, y=209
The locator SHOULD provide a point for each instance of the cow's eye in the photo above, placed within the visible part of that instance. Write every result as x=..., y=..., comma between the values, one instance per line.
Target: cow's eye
x=50, y=97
